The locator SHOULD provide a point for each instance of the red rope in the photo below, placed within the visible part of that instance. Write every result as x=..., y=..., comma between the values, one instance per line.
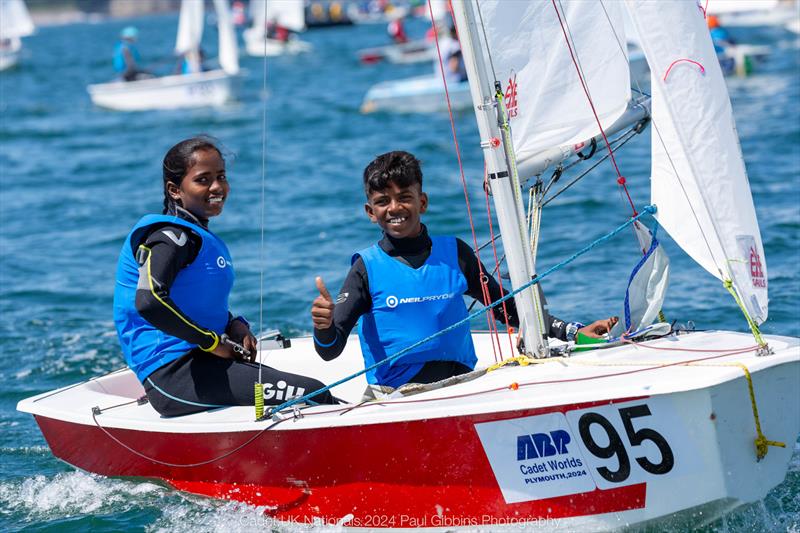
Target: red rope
x=509, y=329
x=620, y=179
x=492, y=325
x=702, y=68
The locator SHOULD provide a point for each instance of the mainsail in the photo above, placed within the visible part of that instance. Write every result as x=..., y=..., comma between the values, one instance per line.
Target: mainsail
x=190, y=26
x=15, y=21
x=699, y=182
x=228, y=47
x=545, y=98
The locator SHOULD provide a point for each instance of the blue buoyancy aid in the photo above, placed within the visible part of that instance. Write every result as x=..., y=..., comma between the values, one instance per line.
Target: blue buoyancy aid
x=200, y=291
x=120, y=63
x=409, y=305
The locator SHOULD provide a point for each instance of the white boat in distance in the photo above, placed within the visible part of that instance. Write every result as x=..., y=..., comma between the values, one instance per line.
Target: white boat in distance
x=417, y=51
x=667, y=429
x=15, y=23
x=422, y=94
x=197, y=89
x=288, y=13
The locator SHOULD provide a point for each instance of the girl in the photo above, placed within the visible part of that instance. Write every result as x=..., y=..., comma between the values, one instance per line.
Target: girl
x=171, y=298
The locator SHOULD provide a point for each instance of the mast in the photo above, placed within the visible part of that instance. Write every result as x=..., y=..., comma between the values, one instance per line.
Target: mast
x=503, y=179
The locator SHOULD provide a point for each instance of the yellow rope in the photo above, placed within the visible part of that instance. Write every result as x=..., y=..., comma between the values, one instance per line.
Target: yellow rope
x=761, y=442
x=753, y=326
x=259, y=396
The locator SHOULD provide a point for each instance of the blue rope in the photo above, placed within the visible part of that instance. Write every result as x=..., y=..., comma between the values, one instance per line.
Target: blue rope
x=649, y=209
x=639, y=265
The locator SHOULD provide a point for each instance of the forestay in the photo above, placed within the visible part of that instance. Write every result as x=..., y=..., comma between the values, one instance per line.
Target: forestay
x=699, y=183
x=544, y=96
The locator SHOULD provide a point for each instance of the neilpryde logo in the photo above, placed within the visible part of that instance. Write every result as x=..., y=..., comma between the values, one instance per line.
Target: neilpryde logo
x=538, y=445
x=393, y=301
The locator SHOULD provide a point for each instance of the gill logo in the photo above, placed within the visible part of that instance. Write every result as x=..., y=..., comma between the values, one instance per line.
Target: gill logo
x=756, y=271
x=511, y=97
x=537, y=445
x=221, y=262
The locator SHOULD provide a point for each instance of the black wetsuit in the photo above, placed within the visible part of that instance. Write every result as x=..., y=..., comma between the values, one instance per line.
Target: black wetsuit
x=354, y=300
x=198, y=380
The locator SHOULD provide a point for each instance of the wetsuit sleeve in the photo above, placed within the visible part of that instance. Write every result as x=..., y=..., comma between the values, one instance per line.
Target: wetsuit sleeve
x=469, y=266
x=353, y=301
x=163, y=254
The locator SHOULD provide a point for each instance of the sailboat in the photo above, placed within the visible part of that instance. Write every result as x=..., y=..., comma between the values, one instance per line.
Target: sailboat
x=15, y=23
x=290, y=14
x=653, y=427
x=199, y=88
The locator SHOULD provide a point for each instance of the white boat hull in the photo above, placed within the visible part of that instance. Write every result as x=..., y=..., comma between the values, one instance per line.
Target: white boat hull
x=258, y=46
x=661, y=432
x=423, y=94
x=202, y=89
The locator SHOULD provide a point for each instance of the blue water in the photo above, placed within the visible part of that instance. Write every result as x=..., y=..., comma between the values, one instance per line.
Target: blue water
x=74, y=178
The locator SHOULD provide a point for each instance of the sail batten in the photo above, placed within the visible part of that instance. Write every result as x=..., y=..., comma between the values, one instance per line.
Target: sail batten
x=698, y=176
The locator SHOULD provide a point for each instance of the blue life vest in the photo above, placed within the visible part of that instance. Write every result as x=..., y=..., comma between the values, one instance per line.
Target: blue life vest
x=409, y=305
x=120, y=65
x=200, y=291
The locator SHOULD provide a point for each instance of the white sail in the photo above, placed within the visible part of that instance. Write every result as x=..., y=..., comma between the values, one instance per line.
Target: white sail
x=530, y=57
x=190, y=26
x=290, y=14
x=228, y=47
x=441, y=11
x=699, y=182
x=15, y=21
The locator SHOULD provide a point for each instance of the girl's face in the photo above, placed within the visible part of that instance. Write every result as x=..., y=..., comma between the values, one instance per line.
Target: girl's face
x=204, y=188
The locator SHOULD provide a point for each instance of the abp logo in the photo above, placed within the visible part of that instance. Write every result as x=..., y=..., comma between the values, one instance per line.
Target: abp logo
x=538, y=445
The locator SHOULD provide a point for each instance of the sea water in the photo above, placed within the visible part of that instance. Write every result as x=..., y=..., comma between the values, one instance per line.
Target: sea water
x=75, y=178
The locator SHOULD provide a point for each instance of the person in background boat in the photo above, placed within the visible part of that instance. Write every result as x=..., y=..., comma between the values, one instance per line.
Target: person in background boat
x=238, y=13
x=396, y=30
x=192, y=61
x=275, y=30
x=126, y=56
x=409, y=286
x=719, y=35
x=455, y=71
x=171, y=299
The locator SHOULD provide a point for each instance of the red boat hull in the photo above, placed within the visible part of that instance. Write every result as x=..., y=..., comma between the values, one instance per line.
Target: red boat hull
x=423, y=473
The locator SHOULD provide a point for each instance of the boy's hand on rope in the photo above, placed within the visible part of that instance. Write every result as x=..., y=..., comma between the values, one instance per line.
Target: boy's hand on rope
x=598, y=328
x=322, y=307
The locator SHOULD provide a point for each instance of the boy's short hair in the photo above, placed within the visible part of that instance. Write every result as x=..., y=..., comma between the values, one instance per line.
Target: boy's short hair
x=400, y=167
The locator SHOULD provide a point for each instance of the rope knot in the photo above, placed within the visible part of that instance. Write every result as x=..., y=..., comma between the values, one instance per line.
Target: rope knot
x=621, y=180
x=494, y=142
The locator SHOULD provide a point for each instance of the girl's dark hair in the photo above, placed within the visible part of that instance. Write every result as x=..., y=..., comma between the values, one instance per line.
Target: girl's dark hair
x=179, y=159
x=400, y=167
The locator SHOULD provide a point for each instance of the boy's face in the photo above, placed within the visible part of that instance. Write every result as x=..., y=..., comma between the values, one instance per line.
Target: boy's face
x=397, y=210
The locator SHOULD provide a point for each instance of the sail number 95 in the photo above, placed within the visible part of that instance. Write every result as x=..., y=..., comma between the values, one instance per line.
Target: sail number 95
x=617, y=448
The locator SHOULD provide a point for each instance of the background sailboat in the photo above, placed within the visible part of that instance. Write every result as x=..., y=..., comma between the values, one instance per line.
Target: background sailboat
x=198, y=88
x=289, y=14
x=15, y=23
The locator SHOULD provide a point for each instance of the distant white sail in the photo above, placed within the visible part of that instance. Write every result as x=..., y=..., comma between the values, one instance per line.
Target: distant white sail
x=15, y=21
x=228, y=46
x=190, y=26
x=699, y=182
x=544, y=96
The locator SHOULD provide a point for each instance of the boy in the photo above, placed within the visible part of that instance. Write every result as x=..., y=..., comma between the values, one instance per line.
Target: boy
x=409, y=286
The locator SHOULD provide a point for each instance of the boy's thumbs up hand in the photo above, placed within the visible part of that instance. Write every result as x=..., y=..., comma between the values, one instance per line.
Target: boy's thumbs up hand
x=322, y=307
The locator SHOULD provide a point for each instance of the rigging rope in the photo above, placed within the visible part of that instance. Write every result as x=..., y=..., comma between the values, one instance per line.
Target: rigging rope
x=484, y=289
x=620, y=179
